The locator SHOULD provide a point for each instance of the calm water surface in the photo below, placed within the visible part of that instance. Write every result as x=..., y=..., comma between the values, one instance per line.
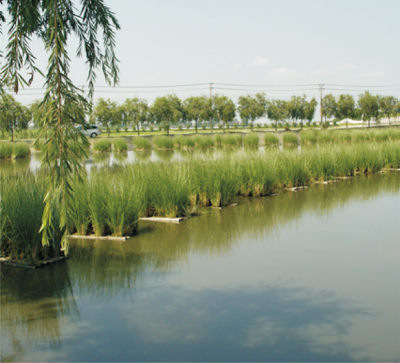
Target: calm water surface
x=306, y=276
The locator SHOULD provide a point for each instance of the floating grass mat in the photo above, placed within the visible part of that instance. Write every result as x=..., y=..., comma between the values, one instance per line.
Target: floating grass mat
x=110, y=238
x=24, y=263
x=163, y=220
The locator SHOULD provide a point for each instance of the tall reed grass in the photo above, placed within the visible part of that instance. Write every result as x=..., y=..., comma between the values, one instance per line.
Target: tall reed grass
x=163, y=142
x=271, y=139
x=142, y=143
x=101, y=146
x=251, y=139
x=14, y=150
x=120, y=145
x=290, y=138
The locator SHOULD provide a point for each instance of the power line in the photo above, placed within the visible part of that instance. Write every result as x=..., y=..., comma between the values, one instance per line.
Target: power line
x=266, y=86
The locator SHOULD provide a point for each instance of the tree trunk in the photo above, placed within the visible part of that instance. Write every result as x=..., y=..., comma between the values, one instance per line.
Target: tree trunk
x=108, y=131
x=224, y=126
x=389, y=119
x=12, y=133
x=167, y=127
x=138, y=129
x=212, y=126
x=195, y=125
x=276, y=126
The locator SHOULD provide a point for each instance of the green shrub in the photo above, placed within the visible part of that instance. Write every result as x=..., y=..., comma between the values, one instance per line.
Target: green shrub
x=101, y=146
x=235, y=126
x=151, y=128
x=117, y=129
x=126, y=128
x=120, y=145
x=203, y=127
x=180, y=128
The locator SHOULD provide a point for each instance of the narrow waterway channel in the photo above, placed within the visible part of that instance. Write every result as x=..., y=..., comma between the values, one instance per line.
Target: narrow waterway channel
x=312, y=275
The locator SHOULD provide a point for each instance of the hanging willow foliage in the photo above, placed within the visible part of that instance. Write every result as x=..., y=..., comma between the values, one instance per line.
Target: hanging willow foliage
x=54, y=21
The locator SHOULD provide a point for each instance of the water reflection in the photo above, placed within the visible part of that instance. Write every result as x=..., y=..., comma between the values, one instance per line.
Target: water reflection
x=151, y=299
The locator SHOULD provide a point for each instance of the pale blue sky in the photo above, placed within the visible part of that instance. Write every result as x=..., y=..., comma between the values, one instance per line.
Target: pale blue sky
x=285, y=42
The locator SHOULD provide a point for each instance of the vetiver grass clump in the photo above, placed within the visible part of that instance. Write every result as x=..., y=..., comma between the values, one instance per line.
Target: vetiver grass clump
x=21, y=207
x=142, y=143
x=101, y=146
x=6, y=150
x=20, y=150
x=308, y=137
x=271, y=139
x=251, y=139
x=290, y=138
x=204, y=142
x=187, y=142
x=232, y=140
x=163, y=142
x=120, y=145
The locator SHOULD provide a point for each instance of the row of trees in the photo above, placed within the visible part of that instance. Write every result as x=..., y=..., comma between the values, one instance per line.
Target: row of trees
x=170, y=110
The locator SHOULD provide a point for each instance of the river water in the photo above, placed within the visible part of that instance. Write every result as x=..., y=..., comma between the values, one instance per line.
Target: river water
x=312, y=275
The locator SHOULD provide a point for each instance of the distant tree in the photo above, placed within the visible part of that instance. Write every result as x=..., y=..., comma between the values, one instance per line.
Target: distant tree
x=223, y=109
x=277, y=110
x=13, y=115
x=388, y=105
x=197, y=109
x=135, y=110
x=167, y=110
x=252, y=107
x=107, y=113
x=369, y=105
x=309, y=109
x=329, y=107
x=345, y=105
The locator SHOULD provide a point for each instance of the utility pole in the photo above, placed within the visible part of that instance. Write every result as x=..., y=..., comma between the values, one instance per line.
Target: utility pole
x=320, y=100
x=212, y=121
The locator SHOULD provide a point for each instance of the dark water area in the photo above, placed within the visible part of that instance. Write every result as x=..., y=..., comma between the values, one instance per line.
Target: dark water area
x=312, y=275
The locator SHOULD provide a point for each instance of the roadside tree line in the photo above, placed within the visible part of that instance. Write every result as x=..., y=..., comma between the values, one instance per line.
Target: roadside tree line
x=202, y=110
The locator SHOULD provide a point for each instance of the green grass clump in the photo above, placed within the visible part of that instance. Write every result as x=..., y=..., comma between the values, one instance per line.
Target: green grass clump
x=178, y=141
x=21, y=206
x=218, y=139
x=290, y=138
x=6, y=150
x=20, y=150
x=187, y=142
x=204, y=142
x=142, y=143
x=271, y=139
x=308, y=137
x=101, y=146
x=251, y=139
x=232, y=140
x=120, y=145
x=163, y=142
x=325, y=137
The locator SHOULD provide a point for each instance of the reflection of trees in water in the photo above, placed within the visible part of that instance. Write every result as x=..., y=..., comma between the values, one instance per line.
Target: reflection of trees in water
x=34, y=306
x=264, y=323
x=105, y=267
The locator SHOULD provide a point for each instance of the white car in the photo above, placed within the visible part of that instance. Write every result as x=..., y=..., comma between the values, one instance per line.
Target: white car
x=90, y=130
